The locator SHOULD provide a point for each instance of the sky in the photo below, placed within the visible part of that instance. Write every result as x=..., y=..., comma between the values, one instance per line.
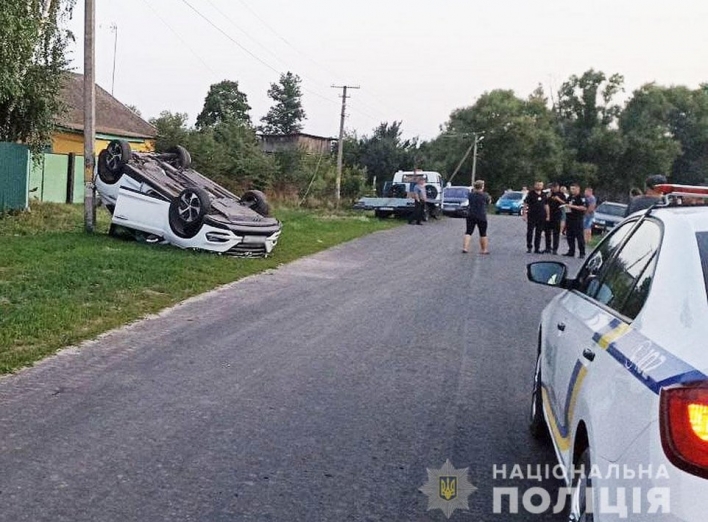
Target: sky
x=415, y=61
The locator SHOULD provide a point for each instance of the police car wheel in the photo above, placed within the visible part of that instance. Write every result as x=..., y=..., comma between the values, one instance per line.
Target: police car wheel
x=582, y=484
x=537, y=424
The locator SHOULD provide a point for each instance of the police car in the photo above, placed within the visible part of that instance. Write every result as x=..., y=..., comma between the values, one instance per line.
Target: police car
x=621, y=378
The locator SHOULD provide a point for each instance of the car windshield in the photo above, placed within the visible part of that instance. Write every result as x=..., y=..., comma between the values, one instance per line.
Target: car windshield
x=456, y=192
x=612, y=210
x=512, y=195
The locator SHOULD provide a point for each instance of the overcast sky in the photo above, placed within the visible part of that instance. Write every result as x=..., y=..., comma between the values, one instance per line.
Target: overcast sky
x=415, y=60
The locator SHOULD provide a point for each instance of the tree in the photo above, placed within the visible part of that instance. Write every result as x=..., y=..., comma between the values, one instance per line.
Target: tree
x=286, y=115
x=519, y=145
x=224, y=103
x=33, y=41
x=587, y=118
x=171, y=130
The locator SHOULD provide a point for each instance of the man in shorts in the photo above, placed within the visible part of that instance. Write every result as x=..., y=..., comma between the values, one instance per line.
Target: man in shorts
x=477, y=217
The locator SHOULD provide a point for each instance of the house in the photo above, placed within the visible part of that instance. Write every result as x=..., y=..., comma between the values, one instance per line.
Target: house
x=309, y=143
x=59, y=175
x=113, y=121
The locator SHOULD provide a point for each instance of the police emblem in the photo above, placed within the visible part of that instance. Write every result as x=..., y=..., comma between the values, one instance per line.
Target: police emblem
x=448, y=489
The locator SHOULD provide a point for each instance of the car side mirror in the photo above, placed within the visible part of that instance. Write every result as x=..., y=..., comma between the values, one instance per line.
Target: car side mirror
x=549, y=273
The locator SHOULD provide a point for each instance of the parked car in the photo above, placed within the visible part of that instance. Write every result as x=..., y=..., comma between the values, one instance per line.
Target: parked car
x=511, y=202
x=621, y=376
x=455, y=201
x=607, y=215
x=160, y=199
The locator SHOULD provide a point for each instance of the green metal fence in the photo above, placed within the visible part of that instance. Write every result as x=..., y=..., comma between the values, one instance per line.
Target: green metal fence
x=14, y=176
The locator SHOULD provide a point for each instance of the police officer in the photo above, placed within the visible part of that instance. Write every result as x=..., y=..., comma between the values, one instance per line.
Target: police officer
x=536, y=213
x=556, y=199
x=575, y=213
x=420, y=201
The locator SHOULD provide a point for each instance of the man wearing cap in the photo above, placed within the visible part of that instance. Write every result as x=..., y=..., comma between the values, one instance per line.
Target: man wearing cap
x=650, y=197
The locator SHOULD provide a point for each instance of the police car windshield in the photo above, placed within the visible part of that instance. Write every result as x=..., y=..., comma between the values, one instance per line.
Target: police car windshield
x=456, y=192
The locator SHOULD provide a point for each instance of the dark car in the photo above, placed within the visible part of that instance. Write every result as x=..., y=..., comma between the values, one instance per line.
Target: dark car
x=607, y=215
x=455, y=201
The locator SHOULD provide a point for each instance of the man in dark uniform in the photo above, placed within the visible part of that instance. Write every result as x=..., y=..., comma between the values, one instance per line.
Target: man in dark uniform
x=575, y=213
x=536, y=213
x=556, y=198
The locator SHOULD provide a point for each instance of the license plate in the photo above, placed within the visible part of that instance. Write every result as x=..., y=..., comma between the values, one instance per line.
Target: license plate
x=386, y=208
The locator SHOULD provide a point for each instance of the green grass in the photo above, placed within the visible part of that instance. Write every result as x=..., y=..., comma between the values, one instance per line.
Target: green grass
x=59, y=285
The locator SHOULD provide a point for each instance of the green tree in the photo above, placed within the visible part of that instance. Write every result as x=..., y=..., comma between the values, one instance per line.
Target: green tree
x=519, y=146
x=587, y=118
x=383, y=153
x=651, y=147
x=224, y=103
x=171, y=130
x=33, y=41
x=286, y=114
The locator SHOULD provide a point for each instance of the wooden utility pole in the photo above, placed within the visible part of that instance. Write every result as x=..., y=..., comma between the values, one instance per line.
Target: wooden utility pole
x=89, y=114
x=477, y=138
x=340, y=143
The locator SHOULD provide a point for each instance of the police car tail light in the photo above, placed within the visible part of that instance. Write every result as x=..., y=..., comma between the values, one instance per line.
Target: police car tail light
x=684, y=427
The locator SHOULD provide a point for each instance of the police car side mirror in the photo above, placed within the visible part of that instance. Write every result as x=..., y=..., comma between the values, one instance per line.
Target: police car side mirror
x=549, y=273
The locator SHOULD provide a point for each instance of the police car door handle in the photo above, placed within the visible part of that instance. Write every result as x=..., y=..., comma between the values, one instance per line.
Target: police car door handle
x=589, y=354
x=561, y=327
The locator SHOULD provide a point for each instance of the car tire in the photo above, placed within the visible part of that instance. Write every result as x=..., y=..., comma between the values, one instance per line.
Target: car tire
x=431, y=192
x=183, y=159
x=581, y=484
x=117, y=156
x=497, y=211
x=381, y=214
x=256, y=201
x=104, y=174
x=187, y=211
x=537, y=423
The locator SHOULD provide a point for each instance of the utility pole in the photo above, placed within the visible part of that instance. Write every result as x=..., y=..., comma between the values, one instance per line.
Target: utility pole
x=478, y=136
x=114, y=28
x=340, y=143
x=89, y=113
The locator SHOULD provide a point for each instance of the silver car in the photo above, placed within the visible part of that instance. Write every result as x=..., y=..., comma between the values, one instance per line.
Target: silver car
x=607, y=215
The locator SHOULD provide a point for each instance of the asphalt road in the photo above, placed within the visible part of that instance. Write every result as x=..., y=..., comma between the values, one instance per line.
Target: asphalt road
x=319, y=391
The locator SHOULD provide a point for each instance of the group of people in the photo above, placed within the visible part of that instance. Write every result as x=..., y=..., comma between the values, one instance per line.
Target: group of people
x=558, y=211
x=547, y=212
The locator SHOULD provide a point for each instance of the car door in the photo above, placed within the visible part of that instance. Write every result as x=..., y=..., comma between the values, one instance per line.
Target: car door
x=617, y=402
x=570, y=330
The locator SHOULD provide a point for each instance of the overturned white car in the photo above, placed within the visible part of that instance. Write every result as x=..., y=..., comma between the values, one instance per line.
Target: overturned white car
x=160, y=199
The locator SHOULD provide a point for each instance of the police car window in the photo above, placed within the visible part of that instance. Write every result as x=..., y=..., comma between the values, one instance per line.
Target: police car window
x=590, y=274
x=702, y=238
x=625, y=285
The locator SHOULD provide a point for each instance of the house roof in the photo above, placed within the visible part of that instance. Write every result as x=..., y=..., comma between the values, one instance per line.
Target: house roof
x=295, y=135
x=112, y=117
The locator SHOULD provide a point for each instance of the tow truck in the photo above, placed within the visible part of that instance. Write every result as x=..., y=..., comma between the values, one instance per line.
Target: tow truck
x=397, y=199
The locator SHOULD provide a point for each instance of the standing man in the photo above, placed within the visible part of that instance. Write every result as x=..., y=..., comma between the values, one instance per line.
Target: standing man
x=574, y=216
x=553, y=227
x=477, y=217
x=589, y=214
x=420, y=198
x=650, y=197
x=536, y=213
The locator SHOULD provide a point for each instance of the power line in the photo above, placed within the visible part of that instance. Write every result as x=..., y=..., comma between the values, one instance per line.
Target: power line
x=179, y=37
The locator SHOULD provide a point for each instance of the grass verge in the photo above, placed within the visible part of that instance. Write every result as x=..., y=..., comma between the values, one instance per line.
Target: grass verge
x=59, y=285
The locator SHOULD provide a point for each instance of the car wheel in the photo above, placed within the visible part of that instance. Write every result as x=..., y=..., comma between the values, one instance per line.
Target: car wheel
x=105, y=175
x=497, y=211
x=381, y=214
x=582, y=483
x=431, y=192
x=183, y=159
x=537, y=424
x=256, y=201
x=187, y=211
x=117, y=155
